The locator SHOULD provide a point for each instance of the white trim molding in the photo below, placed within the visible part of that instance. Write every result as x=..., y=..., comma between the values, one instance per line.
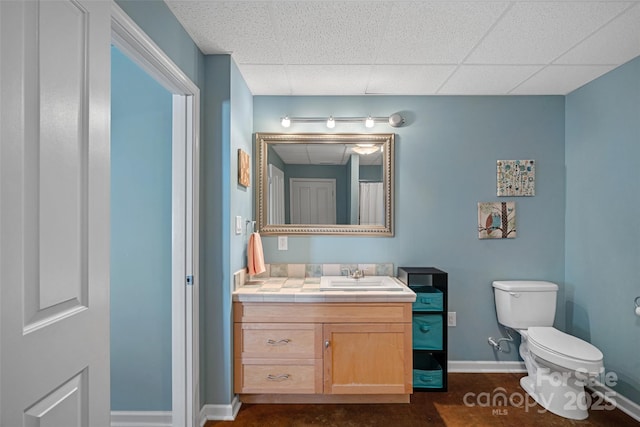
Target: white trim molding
x=619, y=401
x=220, y=412
x=141, y=419
x=480, y=366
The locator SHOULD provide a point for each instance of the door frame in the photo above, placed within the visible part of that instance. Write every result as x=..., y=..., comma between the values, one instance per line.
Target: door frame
x=138, y=46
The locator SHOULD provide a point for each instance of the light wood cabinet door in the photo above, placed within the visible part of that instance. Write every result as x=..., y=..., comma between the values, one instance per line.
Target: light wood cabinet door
x=367, y=358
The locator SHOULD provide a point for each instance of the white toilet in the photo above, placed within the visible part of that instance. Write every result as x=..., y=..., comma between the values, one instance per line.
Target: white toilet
x=558, y=364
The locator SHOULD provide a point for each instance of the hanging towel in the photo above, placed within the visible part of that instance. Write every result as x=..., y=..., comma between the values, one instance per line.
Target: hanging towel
x=255, y=256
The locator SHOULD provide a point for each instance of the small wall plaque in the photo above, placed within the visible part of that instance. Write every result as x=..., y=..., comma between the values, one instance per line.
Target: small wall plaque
x=244, y=177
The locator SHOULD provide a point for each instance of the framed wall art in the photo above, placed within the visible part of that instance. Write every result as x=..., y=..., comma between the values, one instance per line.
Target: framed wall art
x=496, y=220
x=244, y=177
x=516, y=177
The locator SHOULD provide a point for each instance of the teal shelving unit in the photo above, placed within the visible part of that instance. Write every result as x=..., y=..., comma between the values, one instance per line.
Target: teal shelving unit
x=429, y=326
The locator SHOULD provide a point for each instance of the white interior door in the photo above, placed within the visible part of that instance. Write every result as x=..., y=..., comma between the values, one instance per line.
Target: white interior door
x=54, y=221
x=276, y=196
x=313, y=201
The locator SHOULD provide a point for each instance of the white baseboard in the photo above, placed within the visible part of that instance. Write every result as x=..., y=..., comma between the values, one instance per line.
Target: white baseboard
x=479, y=366
x=625, y=405
x=141, y=419
x=220, y=412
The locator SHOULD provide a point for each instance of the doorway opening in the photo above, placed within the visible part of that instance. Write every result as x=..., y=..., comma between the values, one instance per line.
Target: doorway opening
x=132, y=42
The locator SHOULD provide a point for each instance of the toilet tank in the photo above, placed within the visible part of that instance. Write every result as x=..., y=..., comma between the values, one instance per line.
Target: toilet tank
x=521, y=304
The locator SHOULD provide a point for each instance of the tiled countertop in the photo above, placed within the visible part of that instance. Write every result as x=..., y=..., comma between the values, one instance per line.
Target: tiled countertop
x=283, y=289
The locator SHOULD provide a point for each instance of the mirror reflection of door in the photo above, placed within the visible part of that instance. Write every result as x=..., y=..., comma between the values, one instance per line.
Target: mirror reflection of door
x=313, y=201
x=276, y=196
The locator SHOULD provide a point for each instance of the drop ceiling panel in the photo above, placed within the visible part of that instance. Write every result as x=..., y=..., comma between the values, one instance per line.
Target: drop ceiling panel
x=487, y=79
x=241, y=28
x=435, y=33
x=266, y=79
x=539, y=32
x=357, y=47
x=560, y=79
x=616, y=43
x=408, y=79
x=328, y=79
x=327, y=154
x=317, y=32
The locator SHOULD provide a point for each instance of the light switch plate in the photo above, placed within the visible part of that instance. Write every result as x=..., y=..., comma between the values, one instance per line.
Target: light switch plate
x=238, y=225
x=283, y=243
x=452, y=320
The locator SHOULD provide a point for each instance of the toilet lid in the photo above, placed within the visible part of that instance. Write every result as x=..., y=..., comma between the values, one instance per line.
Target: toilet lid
x=555, y=341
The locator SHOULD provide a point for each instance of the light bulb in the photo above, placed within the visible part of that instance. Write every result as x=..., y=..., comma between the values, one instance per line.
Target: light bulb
x=369, y=122
x=331, y=123
x=286, y=122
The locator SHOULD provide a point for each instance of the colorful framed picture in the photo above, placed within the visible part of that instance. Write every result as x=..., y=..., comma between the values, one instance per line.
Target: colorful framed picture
x=244, y=177
x=496, y=220
x=516, y=177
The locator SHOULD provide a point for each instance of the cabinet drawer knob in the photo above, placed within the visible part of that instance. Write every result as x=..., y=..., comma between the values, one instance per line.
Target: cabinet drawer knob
x=326, y=344
x=278, y=378
x=283, y=341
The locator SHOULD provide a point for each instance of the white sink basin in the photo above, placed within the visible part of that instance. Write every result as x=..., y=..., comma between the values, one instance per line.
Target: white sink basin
x=368, y=283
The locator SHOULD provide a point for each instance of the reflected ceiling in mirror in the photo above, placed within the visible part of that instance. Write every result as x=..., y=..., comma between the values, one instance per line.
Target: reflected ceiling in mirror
x=324, y=184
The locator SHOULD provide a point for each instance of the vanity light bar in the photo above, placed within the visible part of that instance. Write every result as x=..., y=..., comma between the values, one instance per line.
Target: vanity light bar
x=394, y=120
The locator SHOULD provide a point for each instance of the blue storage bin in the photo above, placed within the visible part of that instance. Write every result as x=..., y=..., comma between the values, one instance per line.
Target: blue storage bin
x=427, y=331
x=427, y=372
x=428, y=298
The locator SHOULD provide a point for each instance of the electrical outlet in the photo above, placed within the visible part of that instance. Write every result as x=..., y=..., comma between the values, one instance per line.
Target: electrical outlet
x=451, y=318
x=283, y=243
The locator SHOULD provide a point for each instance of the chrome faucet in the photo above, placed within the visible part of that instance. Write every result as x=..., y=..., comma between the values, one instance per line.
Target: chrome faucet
x=355, y=274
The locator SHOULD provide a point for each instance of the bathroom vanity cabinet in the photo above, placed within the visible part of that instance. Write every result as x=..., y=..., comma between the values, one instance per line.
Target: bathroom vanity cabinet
x=429, y=326
x=322, y=352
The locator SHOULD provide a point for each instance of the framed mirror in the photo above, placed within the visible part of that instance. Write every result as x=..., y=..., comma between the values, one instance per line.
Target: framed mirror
x=320, y=183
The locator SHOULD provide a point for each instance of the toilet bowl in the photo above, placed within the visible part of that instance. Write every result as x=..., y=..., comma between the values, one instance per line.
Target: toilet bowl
x=558, y=364
x=564, y=350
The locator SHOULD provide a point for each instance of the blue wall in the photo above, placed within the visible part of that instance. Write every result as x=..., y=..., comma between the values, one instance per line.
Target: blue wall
x=445, y=164
x=603, y=220
x=141, y=112
x=229, y=111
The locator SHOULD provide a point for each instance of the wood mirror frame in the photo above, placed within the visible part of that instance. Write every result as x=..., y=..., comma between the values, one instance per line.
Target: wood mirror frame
x=262, y=143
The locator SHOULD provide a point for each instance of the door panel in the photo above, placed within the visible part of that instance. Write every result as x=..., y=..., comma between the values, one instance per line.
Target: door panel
x=56, y=147
x=54, y=222
x=313, y=201
x=65, y=406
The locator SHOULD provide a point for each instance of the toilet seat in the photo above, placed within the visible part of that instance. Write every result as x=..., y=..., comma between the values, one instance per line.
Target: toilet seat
x=564, y=350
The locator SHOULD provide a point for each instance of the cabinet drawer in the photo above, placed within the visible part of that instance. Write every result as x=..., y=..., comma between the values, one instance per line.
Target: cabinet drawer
x=427, y=331
x=428, y=298
x=427, y=372
x=259, y=340
x=300, y=377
